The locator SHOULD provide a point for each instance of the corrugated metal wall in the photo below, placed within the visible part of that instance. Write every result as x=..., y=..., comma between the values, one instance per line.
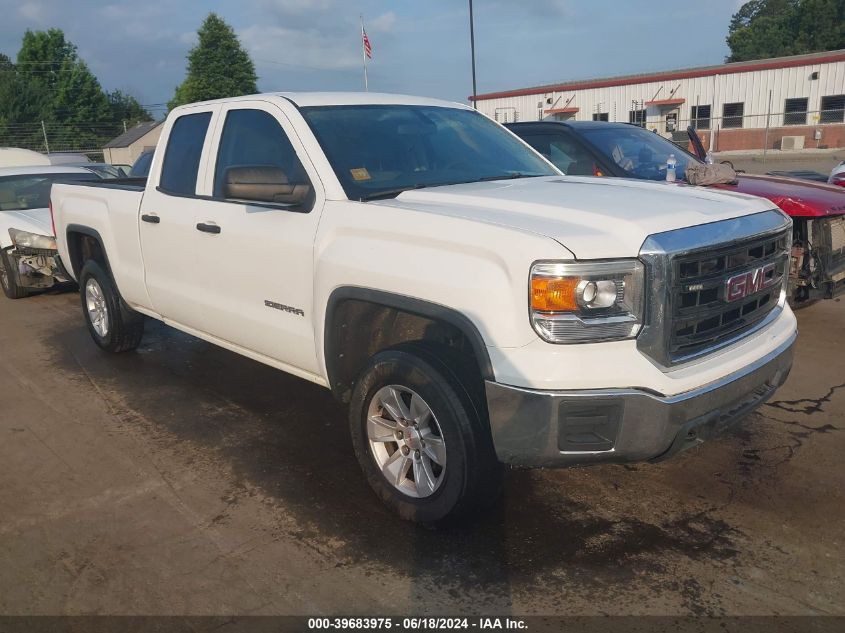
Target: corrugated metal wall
x=750, y=88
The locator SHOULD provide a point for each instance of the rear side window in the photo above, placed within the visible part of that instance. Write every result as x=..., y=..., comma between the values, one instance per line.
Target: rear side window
x=255, y=138
x=184, y=149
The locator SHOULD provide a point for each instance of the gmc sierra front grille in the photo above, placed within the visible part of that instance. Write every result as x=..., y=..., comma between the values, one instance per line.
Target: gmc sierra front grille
x=717, y=294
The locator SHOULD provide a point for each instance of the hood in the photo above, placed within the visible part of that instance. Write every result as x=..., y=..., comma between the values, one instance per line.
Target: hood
x=32, y=220
x=592, y=217
x=798, y=198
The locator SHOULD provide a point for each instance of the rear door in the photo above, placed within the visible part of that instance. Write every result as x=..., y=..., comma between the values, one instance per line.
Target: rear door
x=256, y=258
x=168, y=219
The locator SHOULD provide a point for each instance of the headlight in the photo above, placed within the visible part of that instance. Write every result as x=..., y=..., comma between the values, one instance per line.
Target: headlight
x=22, y=239
x=587, y=302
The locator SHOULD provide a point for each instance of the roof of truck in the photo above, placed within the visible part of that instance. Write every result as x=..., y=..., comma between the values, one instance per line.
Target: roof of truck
x=306, y=99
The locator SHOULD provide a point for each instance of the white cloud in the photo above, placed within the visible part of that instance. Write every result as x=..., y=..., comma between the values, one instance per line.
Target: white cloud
x=189, y=37
x=142, y=23
x=33, y=11
x=298, y=7
x=305, y=48
x=383, y=23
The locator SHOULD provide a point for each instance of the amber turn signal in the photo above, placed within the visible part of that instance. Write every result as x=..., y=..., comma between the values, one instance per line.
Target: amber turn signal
x=554, y=294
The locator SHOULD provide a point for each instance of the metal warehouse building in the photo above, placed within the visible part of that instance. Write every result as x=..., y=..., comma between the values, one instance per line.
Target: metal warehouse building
x=783, y=103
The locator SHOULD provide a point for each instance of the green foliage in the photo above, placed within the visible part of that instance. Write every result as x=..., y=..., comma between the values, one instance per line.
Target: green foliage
x=774, y=28
x=49, y=83
x=22, y=104
x=218, y=66
x=44, y=55
x=126, y=108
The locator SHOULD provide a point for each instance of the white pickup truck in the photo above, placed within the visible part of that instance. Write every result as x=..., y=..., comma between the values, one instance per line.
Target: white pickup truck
x=471, y=304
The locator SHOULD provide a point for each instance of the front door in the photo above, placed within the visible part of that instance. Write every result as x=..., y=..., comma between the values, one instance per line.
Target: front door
x=257, y=259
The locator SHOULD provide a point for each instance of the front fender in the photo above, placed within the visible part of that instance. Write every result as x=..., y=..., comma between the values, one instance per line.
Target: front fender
x=479, y=271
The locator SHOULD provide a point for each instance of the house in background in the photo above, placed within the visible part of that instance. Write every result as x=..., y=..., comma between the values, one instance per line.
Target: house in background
x=124, y=149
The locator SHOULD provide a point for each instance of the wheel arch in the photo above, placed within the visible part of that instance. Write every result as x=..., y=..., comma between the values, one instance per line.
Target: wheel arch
x=85, y=243
x=390, y=319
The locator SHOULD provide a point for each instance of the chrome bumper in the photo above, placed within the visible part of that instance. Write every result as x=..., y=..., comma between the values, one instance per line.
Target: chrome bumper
x=568, y=428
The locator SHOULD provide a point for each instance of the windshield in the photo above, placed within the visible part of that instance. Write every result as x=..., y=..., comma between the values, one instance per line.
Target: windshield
x=640, y=153
x=382, y=150
x=32, y=191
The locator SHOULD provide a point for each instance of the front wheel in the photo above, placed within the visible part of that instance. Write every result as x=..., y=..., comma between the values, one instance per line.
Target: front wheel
x=423, y=446
x=113, y=325
x=8, y=279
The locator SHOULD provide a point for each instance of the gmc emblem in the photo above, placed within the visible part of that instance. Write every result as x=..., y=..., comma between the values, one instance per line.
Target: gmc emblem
x=748, y=283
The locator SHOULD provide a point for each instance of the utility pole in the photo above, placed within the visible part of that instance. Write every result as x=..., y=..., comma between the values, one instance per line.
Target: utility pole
x=472, y=51
x=44, y=130
x=768, y=119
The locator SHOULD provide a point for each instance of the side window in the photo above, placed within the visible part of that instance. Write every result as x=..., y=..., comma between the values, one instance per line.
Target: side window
x=254, y=138
x=182, y=157
x=564, y=153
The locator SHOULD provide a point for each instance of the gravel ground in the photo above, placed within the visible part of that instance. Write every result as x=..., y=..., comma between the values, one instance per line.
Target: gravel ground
x=183, y=479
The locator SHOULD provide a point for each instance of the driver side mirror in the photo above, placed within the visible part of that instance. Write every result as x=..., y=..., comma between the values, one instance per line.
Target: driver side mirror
x=263, y=183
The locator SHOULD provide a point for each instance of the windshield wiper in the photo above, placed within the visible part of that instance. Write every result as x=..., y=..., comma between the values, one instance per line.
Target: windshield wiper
x=392, y=193
x=510, y=177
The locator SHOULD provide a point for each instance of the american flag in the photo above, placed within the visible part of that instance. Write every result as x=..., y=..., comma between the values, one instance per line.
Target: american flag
x=368, y=49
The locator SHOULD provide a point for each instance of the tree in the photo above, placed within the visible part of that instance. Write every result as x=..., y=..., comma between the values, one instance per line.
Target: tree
x=81, y=106
x=74, y=102
x=774, y=28
x=49, y=83
x=22, y=104
x=125, y=108
x=218, y=66
x=43, y=55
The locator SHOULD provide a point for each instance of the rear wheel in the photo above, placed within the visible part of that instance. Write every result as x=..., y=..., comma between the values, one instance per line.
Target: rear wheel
x=423, y=446
x=113, y=325
x=8, y=278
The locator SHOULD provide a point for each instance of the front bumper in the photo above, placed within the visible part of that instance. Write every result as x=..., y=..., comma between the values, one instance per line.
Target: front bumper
x=37, y=269
x=568, y=428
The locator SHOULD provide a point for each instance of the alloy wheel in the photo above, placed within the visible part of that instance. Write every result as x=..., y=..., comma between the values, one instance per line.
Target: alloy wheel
x=95, y=303
x=406, y=441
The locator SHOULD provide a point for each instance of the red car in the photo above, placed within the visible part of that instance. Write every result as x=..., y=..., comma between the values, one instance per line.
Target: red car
x=595, y=148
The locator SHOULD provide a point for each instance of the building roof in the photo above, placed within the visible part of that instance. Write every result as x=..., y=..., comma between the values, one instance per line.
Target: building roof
x=668, y=75
x=133, y=134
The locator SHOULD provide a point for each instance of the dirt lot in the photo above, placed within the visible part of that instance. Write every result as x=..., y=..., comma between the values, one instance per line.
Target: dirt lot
x=183, y=479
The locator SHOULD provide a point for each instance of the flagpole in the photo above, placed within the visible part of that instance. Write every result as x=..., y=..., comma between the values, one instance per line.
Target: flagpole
x=364, y=55
x=472, y=50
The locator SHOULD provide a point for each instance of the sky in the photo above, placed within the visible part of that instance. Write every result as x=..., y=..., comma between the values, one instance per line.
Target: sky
x=420, y=47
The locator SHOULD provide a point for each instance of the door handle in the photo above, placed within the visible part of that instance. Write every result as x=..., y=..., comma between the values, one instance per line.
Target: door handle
x=208, y=227
x=152, y=218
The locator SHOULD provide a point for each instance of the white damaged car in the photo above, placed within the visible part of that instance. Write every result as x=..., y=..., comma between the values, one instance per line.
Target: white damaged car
x=28, y=256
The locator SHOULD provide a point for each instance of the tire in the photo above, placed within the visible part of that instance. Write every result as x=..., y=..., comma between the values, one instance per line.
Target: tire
x=118, y=328
x=463, y=473
x=8, y=279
